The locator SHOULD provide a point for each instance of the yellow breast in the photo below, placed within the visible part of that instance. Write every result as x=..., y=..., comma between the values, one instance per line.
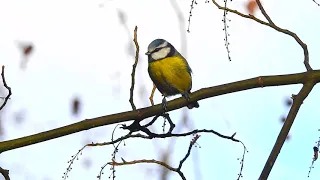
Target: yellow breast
x=172, y=71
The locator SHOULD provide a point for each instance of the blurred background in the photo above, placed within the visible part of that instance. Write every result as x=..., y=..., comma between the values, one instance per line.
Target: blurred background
x=68, y=60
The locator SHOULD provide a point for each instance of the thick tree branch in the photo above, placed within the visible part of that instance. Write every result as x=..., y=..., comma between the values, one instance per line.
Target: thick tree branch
x=275, y=27
x=6, y=86
x=297, y=101
x=143, y=113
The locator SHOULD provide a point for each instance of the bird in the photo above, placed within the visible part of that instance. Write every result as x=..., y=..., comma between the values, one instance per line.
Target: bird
x=169, y=71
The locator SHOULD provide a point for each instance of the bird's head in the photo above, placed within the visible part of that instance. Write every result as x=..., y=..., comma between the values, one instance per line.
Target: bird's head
x=159, y=49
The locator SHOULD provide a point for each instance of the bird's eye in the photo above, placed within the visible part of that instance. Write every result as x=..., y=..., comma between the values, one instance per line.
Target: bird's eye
x=156, y=49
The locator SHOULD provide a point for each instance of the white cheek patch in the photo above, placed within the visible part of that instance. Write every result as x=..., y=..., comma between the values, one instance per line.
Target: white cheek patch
x=161, y=53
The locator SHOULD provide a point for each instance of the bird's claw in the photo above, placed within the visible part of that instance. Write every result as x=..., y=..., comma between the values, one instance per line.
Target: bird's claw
x=186, y=95
x=164, y=104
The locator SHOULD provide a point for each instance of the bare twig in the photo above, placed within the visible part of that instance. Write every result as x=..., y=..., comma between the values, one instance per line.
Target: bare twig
x=192, y=142
x=167, y=135
x=242, y=160
x=315, y=155
x=264, y=13
x=71, y=161
x=5, y=173
x=297, y=101
x=6, y=86
x=193, y=2
x=275, y=27
x=226, y=34
x=135, y=40
x=152, y=94
x=114, y=153
x=148, y=161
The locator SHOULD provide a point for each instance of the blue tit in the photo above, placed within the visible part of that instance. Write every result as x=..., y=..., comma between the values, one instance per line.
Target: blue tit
x=169, y=71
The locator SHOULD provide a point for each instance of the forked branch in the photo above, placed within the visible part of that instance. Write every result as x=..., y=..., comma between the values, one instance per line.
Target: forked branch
x=273, y=26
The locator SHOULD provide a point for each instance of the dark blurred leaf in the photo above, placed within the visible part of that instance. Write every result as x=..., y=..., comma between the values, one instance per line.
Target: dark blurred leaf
x=252, y=6
x=288, y=137
x=87, y=163
x=76, y=106
x=122, y=17
x=288, y=102
x=26, y=49
x=19, y=117
x=283, y=119
x=185, y=119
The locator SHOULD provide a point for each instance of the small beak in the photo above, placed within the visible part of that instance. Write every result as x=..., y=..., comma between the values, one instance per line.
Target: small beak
x=148, y=53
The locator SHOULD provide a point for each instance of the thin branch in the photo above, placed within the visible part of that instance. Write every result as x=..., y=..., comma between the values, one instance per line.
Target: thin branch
x=143, y=113
x=297, y=101
x=115, y=150
x=242, y=160
x=177, y=170
x=152, y=94
x=167, y=135
x=134, y=66
x=148, y=161
x=264, y=13
x=275, y=27
x=6, y=86
x=192, y=142
x=135, y=126
x=315, y=155
x=71, y=161
x=226, y=34
x=5, y=173
x=193, y=2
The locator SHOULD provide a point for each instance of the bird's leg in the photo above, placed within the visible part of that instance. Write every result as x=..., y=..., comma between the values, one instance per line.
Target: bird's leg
x=164, y=104
x=186, y=95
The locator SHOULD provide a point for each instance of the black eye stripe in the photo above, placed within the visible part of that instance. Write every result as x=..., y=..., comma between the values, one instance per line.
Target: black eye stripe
x=156, y=50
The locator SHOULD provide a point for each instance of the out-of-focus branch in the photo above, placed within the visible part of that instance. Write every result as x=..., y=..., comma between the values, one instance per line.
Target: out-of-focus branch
x=7, y=87
x=135, y=40
x=275, y=27
x=5, y=173
x=297, y=101
x=316, y=2
x=143, y=113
